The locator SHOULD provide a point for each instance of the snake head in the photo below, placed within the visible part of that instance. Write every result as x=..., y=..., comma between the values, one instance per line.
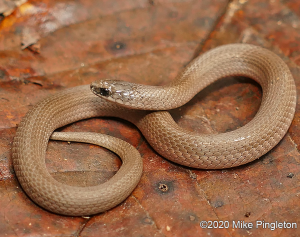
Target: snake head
x=120, y=92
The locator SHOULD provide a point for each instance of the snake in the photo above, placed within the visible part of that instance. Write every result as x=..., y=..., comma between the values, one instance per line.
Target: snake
x=147, y=108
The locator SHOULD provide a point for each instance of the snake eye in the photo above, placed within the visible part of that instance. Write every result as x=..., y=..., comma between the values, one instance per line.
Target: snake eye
x=104, y=92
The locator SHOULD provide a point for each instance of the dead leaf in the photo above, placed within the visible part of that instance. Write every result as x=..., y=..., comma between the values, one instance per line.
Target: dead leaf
x=8, y=6
x=29, y=37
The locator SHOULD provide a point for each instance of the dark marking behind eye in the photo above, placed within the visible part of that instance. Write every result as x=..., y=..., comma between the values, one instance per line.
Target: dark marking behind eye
x=104, y=92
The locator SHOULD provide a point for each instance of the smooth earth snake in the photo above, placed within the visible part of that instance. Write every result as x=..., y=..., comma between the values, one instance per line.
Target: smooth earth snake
x=217, y=151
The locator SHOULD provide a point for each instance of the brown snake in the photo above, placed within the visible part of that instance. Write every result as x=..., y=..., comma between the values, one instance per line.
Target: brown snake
x=216, y=151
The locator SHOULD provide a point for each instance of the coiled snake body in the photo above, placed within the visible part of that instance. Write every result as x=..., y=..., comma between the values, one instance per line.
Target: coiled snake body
x=216, y=151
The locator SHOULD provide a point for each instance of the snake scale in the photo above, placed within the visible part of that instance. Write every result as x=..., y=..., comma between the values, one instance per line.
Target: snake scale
x=134, y=103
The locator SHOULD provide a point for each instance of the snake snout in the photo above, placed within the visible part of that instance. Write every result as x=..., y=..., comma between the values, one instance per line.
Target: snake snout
x=120, y=92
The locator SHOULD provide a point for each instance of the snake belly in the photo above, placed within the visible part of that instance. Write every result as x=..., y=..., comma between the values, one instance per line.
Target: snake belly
x=215, y=151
